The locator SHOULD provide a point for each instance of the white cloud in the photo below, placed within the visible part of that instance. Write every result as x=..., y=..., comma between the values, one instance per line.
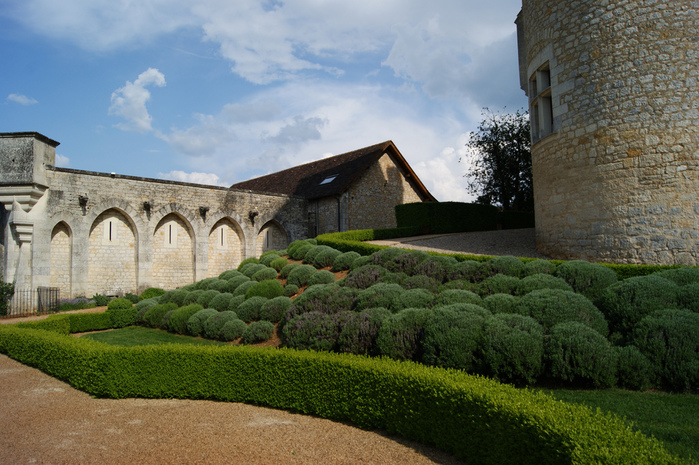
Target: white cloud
x=194, y=177
x=62, y=160
x=129, y=101
x=21, y=99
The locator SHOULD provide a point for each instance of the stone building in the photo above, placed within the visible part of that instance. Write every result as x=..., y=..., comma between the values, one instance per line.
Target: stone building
x=86, y=232
x=614, y=107
x=354, y=190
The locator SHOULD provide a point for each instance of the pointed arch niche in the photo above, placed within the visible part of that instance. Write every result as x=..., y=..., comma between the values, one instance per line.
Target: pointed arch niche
x=173, y=252
x=60, y=259
x=271, y=237
x=225, y=247
x=112, y=256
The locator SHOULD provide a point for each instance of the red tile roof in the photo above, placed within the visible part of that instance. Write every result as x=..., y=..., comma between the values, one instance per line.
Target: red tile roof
x=307, y=180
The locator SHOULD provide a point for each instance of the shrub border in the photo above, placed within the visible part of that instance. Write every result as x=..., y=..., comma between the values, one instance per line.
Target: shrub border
x=470, y=416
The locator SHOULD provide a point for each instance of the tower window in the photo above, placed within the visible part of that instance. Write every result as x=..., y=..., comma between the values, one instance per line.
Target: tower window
x=540, y=106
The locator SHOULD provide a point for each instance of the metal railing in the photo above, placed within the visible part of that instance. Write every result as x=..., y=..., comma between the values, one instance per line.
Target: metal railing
x=30, y=302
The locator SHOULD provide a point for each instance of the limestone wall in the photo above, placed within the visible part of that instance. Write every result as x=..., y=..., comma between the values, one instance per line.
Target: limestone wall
x=617, y=179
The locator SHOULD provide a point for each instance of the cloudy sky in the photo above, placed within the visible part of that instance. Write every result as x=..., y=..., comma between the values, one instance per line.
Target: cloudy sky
x=220, y=91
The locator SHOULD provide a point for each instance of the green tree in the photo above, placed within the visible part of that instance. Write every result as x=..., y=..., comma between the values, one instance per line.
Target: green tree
x=7, y=290
x=501, y=172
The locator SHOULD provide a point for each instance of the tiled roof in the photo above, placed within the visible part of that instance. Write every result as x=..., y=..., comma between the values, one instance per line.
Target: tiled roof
x=331, y=176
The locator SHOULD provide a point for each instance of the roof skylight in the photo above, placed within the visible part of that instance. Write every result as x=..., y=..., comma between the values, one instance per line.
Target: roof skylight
x=328, y=179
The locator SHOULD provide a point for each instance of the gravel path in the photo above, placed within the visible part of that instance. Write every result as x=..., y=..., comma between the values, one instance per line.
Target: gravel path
x=517, y=242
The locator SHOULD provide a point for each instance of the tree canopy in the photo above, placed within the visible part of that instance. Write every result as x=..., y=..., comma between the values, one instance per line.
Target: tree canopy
x=501, y=172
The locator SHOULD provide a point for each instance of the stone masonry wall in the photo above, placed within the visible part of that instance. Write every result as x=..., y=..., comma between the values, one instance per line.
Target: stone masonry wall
x=373, y=197
x=618, y=180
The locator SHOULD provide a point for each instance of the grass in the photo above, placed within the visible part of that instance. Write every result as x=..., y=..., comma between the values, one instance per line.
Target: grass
x=670, y=418
x=140, y=336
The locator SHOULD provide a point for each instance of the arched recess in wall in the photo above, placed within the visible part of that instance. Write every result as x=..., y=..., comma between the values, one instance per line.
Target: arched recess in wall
x=225, y=246
x=113, y=255
x=272, y=236
x=60, y=259
x=173, y=252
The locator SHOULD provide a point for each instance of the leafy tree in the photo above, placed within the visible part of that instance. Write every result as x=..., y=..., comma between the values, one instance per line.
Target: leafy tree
x=502, y=163
x=7, y=290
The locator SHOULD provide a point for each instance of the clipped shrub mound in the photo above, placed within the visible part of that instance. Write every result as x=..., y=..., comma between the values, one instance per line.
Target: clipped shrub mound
x=358, y=335
x=360, y=262
x=406, y=262
x=269, y=289
x=192, y=296
x=469, y=270
x=634, y=370
x=291, y=290
x=552, y=306
x=422, y=282
x=364, y=277
x=500, y=303
x=541, y=281
x=257, y=331
x=207, y=296
x=513, y=348
x=412, y=298
x=322, y=298
x=175, y=296
x=627, y=302
x=151, y=292
x=385, y=256
x=579, y=355
x=228, y=274
x=279, y=264
x=249, y=310
x=505, y=264
x=180, y=317
x=300, y=276
x=589, y=279
x=688, y=297
x=670, y=340
x=452, y=339
x=143, y=306
x=236, y=281
x=457, y=296
x=378, y=295
x=243, y=288
x=274, y=309
x=121, y=312
x=268, y=257
x=154, y=315
x=220, y=285
x=248, y=261
x=213, y=326
x=322, y=256
x=539, y=267
x=195, y=323
x=314, y=330
x=401, y=335
x=435, y=267
x=221, y=302
x=250, y=269
x=235, y=301
x=233, y=329
x=468, y=308
x=681, y=276
x=284, y=273
x=322, y=277
x=265, y=274
x=498, y=284
x=344, y=261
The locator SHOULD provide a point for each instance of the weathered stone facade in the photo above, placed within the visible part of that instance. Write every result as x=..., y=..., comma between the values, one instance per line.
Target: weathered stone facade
x=88, y=232
x=614, y=95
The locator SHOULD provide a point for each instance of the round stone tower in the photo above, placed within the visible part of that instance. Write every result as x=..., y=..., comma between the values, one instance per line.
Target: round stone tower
x=614, y=107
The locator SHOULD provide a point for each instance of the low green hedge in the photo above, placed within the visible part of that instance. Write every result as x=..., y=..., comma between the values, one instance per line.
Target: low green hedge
x=474, y=418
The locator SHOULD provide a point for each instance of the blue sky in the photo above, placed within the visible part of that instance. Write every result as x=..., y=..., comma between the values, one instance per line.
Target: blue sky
x=220, y=91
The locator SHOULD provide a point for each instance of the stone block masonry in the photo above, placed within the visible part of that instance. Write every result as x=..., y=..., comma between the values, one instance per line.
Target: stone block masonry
x=614, y=93
x=88, y=232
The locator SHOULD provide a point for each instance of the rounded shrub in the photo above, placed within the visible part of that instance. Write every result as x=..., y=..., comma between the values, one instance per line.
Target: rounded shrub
x=422, y=282
x=250, y=269
x=401, y=335
x=242, y=289
x=249, y=310
x=133, y=298
x=174, y=296
x=498, y=284
x=321, y=277
x=540, y=281
x=360, y=262
x=627, y=302
x=459, y=284
x=344, y=261
x=154, y=316
x=323, y=298
x=268, y=289
x=513, y=348
x=324, y=257
x=292, y=248
x=539, y=267
x=634, y=370
x=468, y=270
x=279, y=263
x=267, y=258
x=500, y=303
x=205, y=284
x=179, y=318
x=314, y=330
x=257, y=331
x=228, y=274
x=406, y=262
x=274, y=309
x=468, y=308
x=248, y=261
x=670, y=341
x=688, y=297
x=192, y=296
x=364, y=277
x=195, y=323
x=214, y=324
x=235, y=301
x=220, y=285
x=378, y=295
x=552, y=306
x=358, y=335
x=301, y=276
x=452, y=339
x=205, y=299
x=284, y=273
x=435, y=267
x=457, y=296
x=384, y=256
x=299, y=253
x=412, y=298
x=221, y=302
x=505, y=264
x=681, y=276
x=165, y=323
x=394, y=278
x=236, y=281
x=578, y=355
x=589, y=279
x=121, y=313
x=152, y=292
x=232, y=330
x=291, y=290
x=265, y=274
x=143, y=306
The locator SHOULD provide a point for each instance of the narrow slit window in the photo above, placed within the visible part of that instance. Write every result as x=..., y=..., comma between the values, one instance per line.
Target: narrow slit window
x=110, y=231
x=221, y=237
x=170, y=235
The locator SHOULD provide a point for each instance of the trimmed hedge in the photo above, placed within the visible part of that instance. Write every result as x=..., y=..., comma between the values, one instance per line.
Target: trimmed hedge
x=121, y=312
x=474, y=418
x=447, y=217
